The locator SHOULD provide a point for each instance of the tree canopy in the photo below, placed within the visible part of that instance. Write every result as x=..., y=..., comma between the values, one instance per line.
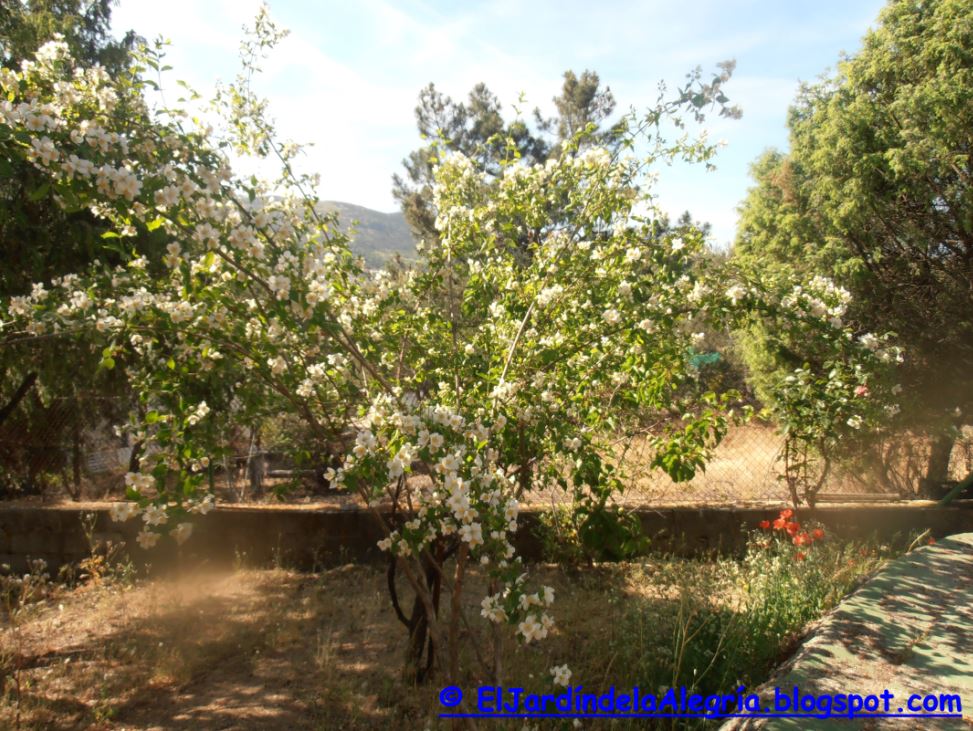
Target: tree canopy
x=583, y=120
x=43, y=237
x=876, y=191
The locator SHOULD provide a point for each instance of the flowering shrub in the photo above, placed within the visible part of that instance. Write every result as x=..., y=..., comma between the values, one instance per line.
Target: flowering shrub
x=730, y=622
x=839, y=393
x=554, y=310
x=798, y=534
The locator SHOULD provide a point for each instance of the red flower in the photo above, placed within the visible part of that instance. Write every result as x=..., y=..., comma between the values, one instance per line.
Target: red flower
x=817, y=534
x=779, y=524
x=799, y=556
x=786, y=513
x=792, y=528
x=765, y=524
x=802, y=539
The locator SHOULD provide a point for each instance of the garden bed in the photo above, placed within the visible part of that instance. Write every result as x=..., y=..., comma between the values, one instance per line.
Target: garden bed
x=276, y=649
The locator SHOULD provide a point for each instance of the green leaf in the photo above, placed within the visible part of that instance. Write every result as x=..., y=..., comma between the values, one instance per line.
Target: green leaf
x=40, y=192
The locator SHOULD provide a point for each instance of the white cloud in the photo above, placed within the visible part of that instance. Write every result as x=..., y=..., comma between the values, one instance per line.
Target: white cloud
x=347, y=77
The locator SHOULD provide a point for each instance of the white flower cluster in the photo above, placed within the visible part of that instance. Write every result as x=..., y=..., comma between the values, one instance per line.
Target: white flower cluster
x=821, y=298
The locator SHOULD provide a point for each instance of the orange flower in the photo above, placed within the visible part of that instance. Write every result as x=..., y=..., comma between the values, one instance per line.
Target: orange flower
x=765, y=524
x=779, y=524
x=817, y=534
x=800, y=556
x=792, y=528
x=786, y=513
x=931, y=540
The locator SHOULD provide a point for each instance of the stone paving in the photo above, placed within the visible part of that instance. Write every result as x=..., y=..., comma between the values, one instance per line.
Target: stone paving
x=909, y=630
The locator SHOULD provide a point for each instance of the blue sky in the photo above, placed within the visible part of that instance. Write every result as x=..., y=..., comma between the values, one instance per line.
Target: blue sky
x=347, y=77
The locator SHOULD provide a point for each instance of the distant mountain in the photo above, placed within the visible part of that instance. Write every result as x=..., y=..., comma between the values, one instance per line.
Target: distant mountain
x=376, y=236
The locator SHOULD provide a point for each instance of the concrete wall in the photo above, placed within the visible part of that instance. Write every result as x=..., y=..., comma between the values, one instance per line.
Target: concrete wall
x=307, y=538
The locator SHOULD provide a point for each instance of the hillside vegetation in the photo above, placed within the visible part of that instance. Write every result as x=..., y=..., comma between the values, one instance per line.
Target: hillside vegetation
x=376, y=236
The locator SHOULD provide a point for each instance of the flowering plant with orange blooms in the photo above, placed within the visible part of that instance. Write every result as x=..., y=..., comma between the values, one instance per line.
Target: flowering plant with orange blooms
x=798, y=534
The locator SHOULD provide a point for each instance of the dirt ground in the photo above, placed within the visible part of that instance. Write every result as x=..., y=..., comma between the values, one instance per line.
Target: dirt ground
x=251, y=649
x=242, y=648
x=267, y=649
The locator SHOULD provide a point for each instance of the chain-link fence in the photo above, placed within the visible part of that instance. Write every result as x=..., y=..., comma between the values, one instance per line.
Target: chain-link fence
x=68, y=449
x=64, y=447
x=747, y=467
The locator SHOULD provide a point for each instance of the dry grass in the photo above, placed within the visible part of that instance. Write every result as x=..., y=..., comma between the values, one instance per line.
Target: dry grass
x=275, y=649
x=251, y=650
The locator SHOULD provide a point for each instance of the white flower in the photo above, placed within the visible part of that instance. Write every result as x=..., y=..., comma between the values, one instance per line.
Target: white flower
x=396, y=467
x=166, y=197
x=735, y=293
x=491, y=609
x=612, y=317
x=472, y=534
x=334, y=476
x=700, y=291
x=869, y=341
x=678, y=244
x=449, y=463
x=204, y=506
x=155, y=515
x=206, y=234
x=511, y=510
x=855, y=422
x=138, y=482
x=122, y=511
x=200, y=413
x=548, y=294
x=532, y=629
x=147, y=539
x=182, y=532
x=562, y=675
x=279, y=285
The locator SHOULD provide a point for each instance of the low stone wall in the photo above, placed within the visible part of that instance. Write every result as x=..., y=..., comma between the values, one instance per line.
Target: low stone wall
x=306, y=538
